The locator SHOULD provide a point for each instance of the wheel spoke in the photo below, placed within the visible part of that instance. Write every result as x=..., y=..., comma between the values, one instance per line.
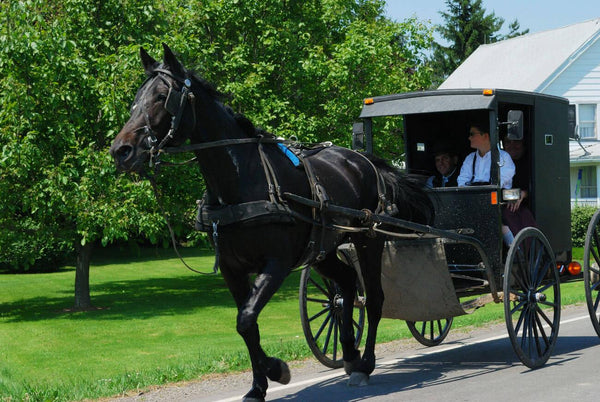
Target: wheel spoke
x=322, y=327
x=318, y=286
x=596, y=245
x=521, y=317
x=335, y=338
x=596, y=302
x=545, y=337
x=320, y=313
x=315, y=300
x=328, y=337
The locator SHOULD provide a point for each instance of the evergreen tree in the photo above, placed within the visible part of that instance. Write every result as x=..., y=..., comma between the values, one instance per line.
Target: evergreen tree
x=466, y=27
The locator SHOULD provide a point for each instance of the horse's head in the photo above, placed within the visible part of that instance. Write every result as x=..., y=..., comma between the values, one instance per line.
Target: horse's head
x=162, y=113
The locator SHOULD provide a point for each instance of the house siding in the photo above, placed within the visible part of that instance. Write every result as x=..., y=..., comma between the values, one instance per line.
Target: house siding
x=580, y=82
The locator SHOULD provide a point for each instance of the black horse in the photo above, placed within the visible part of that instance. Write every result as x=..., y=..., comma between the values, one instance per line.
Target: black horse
x=246, y=173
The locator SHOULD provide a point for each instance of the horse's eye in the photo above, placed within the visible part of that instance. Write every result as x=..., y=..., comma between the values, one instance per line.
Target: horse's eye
x=162, y=97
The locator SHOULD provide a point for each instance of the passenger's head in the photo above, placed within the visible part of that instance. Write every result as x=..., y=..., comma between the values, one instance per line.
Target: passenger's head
x=515, y=148
x=445, y=162
x=479, y=136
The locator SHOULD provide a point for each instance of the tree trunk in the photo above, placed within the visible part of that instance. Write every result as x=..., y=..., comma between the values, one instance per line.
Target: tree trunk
x=82, y=277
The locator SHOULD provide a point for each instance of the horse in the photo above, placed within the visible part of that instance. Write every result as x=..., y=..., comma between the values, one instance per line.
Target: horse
x=246, y=171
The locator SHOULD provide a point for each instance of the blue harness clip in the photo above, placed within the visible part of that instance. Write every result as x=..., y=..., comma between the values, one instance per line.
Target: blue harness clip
x=291, y=156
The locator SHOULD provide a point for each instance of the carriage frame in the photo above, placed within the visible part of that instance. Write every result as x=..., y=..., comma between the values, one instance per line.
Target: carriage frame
x=463, y=249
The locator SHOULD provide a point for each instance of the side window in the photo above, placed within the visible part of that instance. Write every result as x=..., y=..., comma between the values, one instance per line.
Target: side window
x=587, y=121
x=587, y=186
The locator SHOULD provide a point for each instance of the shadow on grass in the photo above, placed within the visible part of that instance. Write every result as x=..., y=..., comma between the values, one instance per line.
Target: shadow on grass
x=138, y=299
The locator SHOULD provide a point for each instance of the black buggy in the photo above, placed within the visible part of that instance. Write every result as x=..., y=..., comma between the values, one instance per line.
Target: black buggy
x=427, y=278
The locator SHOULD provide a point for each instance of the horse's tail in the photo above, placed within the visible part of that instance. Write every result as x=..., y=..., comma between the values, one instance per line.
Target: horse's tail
x=407, y=192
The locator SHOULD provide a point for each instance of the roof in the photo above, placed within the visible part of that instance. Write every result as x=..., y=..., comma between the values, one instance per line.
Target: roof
x=584, y=153
x=426, y=102
x=528, y=62
x=446, y=101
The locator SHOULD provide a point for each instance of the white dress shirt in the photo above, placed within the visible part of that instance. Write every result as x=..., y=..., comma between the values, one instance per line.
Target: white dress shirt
x=482, y=169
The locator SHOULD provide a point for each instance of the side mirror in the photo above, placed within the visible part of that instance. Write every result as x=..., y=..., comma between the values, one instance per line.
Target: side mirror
x=515, y=125
x=358, y=136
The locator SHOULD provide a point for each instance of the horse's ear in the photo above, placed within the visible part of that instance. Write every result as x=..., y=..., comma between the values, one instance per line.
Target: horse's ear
x=147, y=61
x=171, y=61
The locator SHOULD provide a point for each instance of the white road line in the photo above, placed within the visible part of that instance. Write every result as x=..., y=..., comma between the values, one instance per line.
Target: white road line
x=340, y=373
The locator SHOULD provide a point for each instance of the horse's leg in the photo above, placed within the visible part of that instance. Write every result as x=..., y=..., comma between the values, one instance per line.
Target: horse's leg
x=251, y=301
x=345, y=277
x=369, y=255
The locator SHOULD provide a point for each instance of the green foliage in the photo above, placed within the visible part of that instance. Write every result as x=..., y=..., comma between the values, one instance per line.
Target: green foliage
x=466, y=27
x=69, y=71
x=580, y=219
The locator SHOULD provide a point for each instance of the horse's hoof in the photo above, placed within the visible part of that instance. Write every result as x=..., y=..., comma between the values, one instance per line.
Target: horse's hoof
x=255, y=395
x=358, y=379
x=252, y=399
x=279, y=371
x=286, y=375
x=351, y=366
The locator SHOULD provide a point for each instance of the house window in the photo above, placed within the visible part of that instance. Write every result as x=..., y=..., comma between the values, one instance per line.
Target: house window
x=588, y=188
x=587, y=121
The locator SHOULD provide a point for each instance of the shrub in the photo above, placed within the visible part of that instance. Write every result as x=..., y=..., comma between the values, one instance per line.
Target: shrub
x=580, y=219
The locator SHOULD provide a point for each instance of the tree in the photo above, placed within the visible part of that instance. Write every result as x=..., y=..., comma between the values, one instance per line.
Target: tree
x=61, y=98
x=466, y=27
x=69, y=71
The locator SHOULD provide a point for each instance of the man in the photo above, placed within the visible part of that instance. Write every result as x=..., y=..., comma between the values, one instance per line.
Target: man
x=477, y=165
x=447, y=170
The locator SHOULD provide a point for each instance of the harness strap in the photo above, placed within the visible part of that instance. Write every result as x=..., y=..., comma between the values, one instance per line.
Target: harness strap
x=239, y=213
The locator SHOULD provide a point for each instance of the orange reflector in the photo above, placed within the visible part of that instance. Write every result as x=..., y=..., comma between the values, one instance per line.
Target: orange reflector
x=488, y=92
x=494, y=197
x=574, y=268
x=369, y=101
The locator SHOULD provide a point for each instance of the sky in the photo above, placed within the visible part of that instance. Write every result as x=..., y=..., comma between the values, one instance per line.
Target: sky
x=537, y=15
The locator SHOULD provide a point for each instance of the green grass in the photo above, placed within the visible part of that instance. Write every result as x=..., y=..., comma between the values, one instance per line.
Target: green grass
x=156, y=323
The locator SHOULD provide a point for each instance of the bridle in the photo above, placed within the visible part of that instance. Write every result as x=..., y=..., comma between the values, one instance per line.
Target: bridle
x=175, y=105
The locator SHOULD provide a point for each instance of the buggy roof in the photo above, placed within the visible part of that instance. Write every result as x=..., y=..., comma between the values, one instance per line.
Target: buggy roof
x=443, y=101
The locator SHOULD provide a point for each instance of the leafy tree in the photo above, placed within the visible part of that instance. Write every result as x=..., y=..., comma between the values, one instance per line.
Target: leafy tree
x=466, y=27
x=61, y=99
x=69, y=70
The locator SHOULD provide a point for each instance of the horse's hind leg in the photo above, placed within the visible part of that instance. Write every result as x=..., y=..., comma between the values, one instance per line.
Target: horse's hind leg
x=250, y=302
x=369, y=252
x=345, y=277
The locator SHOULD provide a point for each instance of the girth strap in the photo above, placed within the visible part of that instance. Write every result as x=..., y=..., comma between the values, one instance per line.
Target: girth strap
x=239, y=213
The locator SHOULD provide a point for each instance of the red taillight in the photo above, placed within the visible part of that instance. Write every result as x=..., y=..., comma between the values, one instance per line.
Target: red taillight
x=574, y=268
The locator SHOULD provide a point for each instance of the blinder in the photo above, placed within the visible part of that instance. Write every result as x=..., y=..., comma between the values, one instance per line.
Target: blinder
x=173, y=101
x=175, y=105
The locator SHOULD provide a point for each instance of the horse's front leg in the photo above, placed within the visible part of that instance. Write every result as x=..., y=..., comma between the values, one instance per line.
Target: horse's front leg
x=257, y=296
x=369, y=254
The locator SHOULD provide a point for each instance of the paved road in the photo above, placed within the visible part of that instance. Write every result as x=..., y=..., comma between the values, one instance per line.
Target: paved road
x=477, y=366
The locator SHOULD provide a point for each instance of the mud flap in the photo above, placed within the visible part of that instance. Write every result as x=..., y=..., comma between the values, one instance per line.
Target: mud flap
x=416, y=282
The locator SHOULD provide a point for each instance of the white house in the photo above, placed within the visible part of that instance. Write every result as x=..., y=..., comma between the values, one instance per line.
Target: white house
x=563, y=62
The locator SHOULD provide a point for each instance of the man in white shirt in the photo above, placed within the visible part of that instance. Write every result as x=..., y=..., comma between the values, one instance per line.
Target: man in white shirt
x=477, y=165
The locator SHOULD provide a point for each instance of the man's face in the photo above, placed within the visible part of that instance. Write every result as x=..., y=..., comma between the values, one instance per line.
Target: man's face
x=514, y=148
x=478, y=139
x=445, y=164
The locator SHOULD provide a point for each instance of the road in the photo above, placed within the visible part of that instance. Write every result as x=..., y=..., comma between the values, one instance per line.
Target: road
x=474, y=366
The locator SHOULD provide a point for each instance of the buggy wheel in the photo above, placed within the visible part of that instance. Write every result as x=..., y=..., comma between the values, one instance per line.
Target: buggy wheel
x=430, y=333
x=591, y=270
x=532, y=297
x=321, y=316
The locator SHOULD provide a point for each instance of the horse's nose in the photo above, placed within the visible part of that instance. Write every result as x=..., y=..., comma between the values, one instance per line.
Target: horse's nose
x=121, y=153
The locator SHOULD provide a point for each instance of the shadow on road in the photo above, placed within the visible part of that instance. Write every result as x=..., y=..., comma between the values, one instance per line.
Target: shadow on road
x=433, y=369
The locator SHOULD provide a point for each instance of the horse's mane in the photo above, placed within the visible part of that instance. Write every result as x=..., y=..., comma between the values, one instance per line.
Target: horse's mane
x=406, y=192
x=211, y=90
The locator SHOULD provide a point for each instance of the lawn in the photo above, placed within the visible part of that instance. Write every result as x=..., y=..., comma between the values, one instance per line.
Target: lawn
x=155, y=322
